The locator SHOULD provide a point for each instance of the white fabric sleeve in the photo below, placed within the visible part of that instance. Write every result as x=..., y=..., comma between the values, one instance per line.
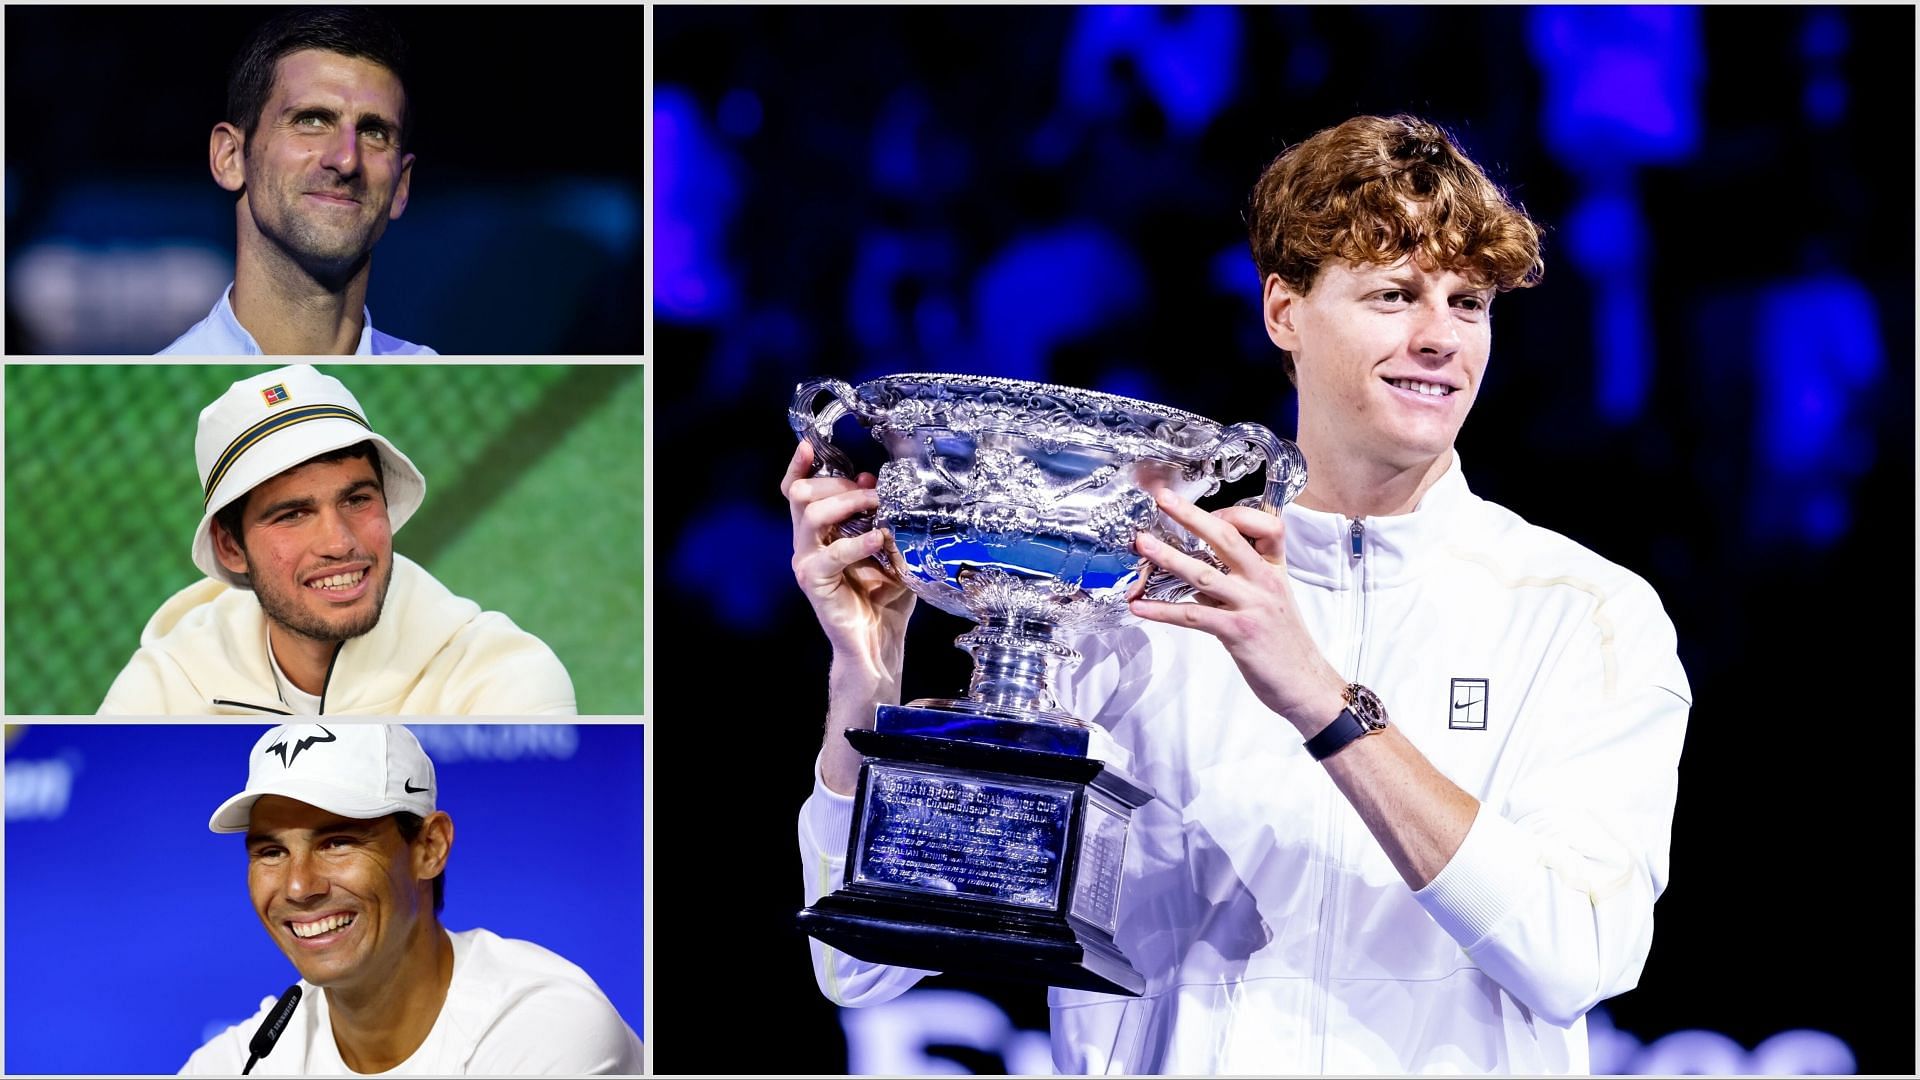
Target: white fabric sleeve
x=557, y=1028
x=521, y=676
x=139, y=689
x=826, y=820
x=1552, y=891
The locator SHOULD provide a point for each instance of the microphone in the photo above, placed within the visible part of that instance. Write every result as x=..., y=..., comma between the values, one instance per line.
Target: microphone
x=270, y=1029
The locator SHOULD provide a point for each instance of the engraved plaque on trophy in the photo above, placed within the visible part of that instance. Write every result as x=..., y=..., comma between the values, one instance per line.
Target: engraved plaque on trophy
x=985, y=838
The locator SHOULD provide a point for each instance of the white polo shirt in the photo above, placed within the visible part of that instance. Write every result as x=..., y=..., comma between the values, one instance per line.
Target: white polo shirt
x=220, y=334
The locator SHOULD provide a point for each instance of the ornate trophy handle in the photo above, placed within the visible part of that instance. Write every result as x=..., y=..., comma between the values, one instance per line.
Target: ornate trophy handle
x=816, y=428
x=1236, y=454
x=1286, y=466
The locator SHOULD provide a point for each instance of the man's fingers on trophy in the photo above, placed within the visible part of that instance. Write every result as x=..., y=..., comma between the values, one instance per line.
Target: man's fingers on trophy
x=888, y=545
x=810, y=522
x=850, y=550
x=1197, y=521
x=1176, y=562
x=872, y=541
x=793, y=483
x=830, y=510
x=1150, y=610
x=806, y=489
x=1153, y=550
x=1174, y=505
x=1203, y=617
x=1266, y=531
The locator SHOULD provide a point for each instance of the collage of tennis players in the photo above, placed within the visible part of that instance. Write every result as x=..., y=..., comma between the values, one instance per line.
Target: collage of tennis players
x=1225, y=540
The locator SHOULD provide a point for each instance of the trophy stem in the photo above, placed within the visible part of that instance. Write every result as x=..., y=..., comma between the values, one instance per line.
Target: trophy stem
x=1013, y=665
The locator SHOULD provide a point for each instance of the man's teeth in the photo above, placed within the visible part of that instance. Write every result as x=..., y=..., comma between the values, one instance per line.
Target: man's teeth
x=1427, y=388
x=326, y=925
x=338, y=581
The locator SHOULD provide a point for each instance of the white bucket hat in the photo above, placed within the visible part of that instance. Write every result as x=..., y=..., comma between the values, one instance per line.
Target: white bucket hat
x=268, y=423
x=358, y=771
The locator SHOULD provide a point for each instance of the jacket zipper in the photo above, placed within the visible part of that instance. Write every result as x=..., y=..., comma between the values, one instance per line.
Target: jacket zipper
x=250, y=705
x=328, y=681
x=1336, y=834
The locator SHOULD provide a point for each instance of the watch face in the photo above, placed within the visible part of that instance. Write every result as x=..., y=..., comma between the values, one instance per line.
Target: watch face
x=1366, y=707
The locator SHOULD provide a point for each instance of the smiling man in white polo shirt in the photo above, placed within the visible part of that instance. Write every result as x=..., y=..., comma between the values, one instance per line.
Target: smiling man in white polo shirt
x=306, y=608
x=314, y=144
x=347, y=852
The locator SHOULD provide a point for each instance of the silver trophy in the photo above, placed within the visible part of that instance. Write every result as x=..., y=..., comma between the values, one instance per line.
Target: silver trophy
x=984, y=838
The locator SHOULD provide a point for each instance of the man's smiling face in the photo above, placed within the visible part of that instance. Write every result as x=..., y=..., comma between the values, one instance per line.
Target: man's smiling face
x=318, y=548
x=1388, y=359
x=339, y=896
x=324, y=167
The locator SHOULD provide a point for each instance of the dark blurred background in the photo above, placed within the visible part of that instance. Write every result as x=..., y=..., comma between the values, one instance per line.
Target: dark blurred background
x=1713, y=387
x=523, y=235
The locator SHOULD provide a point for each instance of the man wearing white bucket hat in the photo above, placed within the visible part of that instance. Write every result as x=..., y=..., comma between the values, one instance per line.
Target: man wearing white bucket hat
x=347, y=851
x=306, y=608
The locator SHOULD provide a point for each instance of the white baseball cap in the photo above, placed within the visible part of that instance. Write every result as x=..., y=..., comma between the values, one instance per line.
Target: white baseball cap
x=357, y=771
x=268, y=423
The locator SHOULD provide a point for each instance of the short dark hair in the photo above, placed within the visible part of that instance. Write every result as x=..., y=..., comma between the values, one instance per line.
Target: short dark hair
x=410, y=826
x=357, y=32
x=229, y=516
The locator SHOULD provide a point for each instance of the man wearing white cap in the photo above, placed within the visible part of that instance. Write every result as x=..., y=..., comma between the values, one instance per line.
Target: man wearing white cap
x=306, y=608
x=346, y=856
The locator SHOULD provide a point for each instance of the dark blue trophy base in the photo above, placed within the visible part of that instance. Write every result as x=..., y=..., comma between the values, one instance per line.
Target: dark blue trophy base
x=981, y=854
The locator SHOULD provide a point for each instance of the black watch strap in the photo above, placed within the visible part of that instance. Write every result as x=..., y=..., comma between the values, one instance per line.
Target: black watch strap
x=1363, y=715
x=1335, y=736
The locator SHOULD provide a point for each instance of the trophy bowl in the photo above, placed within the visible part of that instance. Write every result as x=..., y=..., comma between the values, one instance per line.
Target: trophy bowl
x=1015, y=504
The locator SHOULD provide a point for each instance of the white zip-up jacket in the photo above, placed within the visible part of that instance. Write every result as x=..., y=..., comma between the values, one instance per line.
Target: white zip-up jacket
x=431, y=653
x=1274, y=934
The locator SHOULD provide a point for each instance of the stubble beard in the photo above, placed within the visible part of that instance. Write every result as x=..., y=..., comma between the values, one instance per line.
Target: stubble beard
x=329, y=252
x=288, y=612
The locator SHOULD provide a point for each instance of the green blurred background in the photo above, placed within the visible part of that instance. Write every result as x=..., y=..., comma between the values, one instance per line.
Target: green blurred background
x=533, y=509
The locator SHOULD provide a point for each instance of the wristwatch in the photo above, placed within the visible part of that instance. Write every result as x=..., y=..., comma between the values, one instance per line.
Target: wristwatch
x=1363, y=715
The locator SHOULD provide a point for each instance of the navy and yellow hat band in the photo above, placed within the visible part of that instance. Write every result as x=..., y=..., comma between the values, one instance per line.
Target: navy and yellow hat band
x=247, y=439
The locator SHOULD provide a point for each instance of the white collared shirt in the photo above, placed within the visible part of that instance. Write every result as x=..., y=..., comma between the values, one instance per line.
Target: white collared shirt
x=220, y=334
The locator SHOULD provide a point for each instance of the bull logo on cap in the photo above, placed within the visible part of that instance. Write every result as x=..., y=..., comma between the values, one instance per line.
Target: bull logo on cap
x=281, y=747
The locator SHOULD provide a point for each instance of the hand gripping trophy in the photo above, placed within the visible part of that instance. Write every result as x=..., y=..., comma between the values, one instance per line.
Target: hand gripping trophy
x=985, y=838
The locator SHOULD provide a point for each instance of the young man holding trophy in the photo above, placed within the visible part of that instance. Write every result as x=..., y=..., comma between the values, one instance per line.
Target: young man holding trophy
x=1411, y=760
